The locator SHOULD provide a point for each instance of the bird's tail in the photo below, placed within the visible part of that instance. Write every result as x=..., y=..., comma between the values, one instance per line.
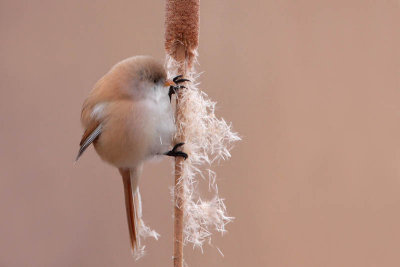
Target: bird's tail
x=130, y=179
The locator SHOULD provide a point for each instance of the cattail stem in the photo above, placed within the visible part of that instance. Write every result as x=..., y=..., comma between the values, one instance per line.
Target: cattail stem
x=178, y=187
x=181, y=41
x=178, y=215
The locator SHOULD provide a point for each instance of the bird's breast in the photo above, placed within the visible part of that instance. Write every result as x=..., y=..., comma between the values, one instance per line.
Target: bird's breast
x=136, y=130
x=161, y=118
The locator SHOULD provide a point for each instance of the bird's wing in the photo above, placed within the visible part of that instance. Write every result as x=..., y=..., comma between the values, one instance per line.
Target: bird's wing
x=89, y=136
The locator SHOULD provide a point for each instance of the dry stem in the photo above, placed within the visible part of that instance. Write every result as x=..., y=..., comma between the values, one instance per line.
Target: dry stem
x=178, y=191
x=181, y=40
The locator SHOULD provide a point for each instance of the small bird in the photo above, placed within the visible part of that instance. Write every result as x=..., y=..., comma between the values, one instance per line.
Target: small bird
x=129, y=119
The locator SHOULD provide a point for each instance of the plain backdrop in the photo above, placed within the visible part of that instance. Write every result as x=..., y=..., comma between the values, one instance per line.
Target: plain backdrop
x=313, y=88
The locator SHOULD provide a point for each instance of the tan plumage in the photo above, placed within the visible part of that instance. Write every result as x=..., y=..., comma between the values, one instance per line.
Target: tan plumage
x=129, y=119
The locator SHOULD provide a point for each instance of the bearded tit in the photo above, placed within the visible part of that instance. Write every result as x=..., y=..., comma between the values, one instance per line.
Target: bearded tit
x=129, y=119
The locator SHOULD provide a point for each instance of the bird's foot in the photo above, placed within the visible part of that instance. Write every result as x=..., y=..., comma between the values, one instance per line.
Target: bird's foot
x=175, y=153
x=178, y=79
x=174, y=88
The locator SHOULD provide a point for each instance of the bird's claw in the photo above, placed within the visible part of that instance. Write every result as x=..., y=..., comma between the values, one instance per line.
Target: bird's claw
x=174, y=88
x=178, y=79
x=175, y=153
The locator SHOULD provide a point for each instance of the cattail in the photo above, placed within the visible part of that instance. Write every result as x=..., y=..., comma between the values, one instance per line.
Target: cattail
x=182, y=30
x=181, y=41
x=207, y=138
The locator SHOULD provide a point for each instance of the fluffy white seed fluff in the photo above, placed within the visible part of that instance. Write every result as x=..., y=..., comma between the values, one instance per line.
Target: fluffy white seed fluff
x=143, y=230
x=207, y=139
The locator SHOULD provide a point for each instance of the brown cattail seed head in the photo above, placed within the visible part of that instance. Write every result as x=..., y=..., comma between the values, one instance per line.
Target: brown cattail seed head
x=182, y=27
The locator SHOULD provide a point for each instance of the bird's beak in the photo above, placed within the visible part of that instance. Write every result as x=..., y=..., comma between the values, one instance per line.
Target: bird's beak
x=169, y=83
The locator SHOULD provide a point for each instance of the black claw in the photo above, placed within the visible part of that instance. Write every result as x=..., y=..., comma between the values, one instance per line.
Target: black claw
x=181, y=154
x=177, y=146
x=176, y=78
x=181, y=81
x=174, y=153
x=173, y=90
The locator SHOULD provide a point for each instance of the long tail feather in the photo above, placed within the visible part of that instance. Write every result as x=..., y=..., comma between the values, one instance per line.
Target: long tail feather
x=133, y=203
x=131, y=209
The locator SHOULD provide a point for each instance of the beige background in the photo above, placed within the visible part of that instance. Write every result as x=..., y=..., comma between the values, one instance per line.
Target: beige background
x=312, y=87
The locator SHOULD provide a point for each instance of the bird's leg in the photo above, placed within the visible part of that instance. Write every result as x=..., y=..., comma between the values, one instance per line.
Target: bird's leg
x=175, y=153
x=174, y=88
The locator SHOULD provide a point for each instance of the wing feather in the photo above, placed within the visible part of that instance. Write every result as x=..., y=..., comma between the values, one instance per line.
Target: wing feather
x=90, y=135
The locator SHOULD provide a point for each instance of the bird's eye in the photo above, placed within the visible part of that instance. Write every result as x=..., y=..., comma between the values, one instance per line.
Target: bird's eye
x=155, y=80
